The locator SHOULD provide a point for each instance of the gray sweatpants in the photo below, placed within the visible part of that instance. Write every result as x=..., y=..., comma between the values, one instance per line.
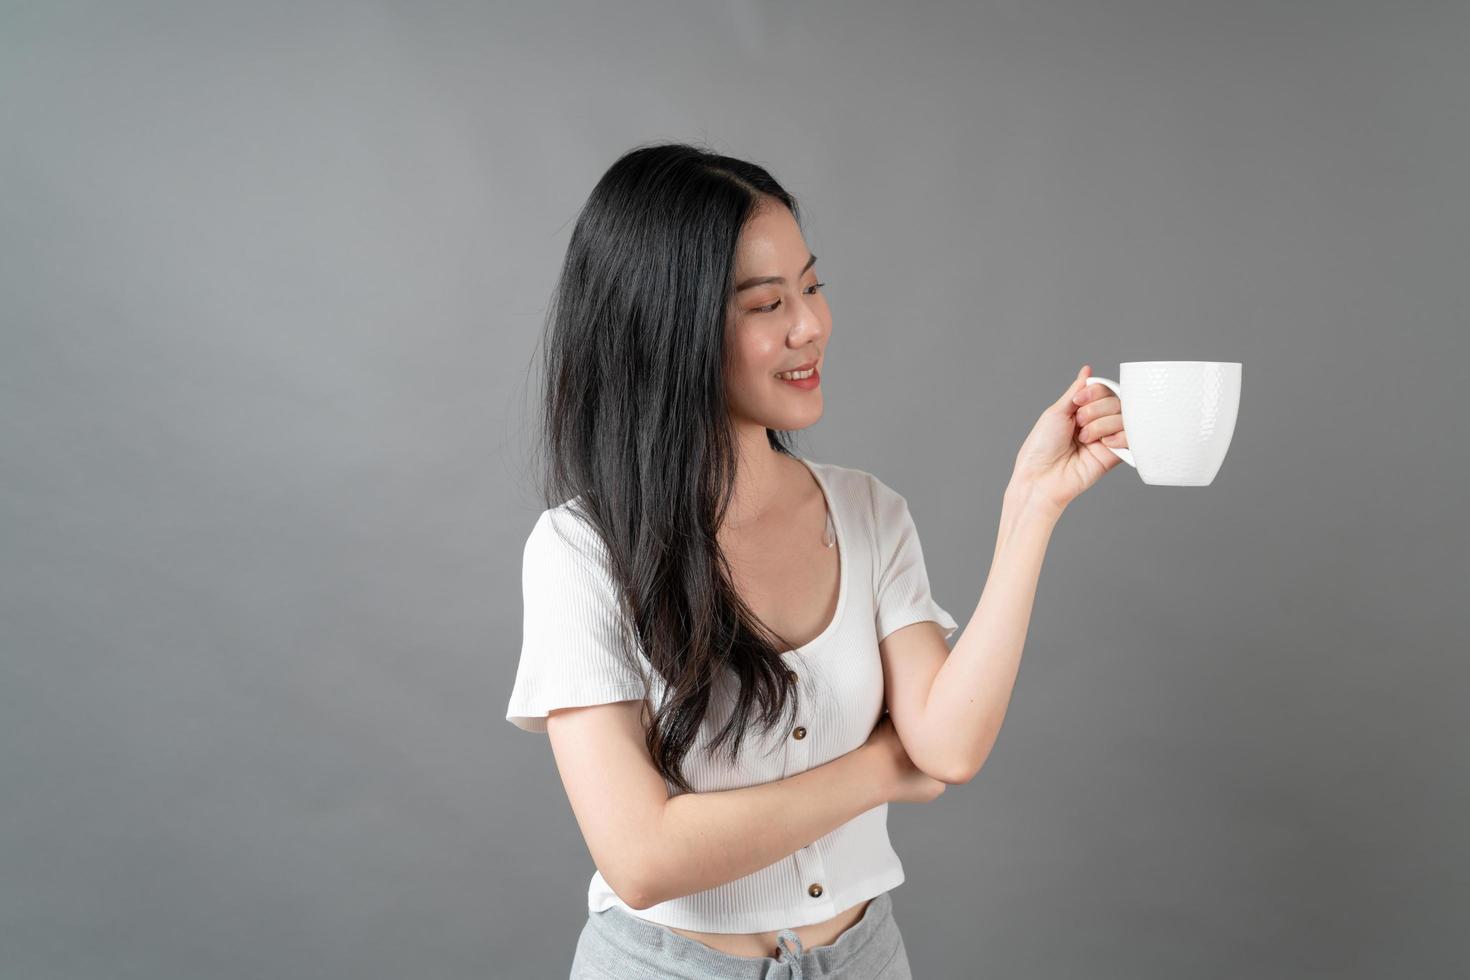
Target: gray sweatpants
x=615, y=945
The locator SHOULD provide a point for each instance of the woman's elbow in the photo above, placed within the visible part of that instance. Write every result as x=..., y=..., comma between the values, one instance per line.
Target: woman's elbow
x=636, y=884
x=954, y=772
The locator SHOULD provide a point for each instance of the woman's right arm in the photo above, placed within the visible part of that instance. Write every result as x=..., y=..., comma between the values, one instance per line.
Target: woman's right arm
x=651, y=847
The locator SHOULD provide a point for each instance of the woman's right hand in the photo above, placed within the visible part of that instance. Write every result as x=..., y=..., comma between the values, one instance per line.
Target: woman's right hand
x=907, y=783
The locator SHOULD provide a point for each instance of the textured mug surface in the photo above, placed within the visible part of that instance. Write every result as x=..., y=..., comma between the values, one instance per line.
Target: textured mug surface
x=1179, y=417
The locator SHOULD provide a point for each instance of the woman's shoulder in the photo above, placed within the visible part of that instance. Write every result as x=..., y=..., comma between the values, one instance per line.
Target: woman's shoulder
x=856, y=487
x=836, y=472
x=564, y=533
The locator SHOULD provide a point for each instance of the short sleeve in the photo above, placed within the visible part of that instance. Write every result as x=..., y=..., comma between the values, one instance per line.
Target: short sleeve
x=570, y=649
x=902, y=595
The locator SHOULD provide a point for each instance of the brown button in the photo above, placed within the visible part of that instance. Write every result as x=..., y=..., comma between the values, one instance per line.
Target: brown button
x=815, y=891
x=799, y=733
x=791, y=674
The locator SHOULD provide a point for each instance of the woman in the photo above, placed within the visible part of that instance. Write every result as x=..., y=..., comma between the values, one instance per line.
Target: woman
x=715, y=626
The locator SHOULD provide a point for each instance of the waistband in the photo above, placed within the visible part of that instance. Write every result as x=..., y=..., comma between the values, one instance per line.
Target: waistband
x=655, y=947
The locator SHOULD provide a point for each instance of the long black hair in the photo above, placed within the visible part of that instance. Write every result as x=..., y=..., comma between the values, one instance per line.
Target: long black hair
x=636, y=428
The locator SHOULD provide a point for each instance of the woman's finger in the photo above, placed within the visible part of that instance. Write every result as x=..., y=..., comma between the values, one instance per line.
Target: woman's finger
x=1097, y=409
x=1065, y=402
x=1100, y=427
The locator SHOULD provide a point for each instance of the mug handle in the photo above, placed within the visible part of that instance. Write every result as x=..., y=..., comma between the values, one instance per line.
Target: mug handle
x=1118, y=451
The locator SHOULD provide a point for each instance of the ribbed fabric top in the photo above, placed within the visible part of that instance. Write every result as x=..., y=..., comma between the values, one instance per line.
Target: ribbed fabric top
x=569, y=658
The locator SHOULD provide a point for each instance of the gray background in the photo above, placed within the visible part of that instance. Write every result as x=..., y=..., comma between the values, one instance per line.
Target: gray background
x=272, y=278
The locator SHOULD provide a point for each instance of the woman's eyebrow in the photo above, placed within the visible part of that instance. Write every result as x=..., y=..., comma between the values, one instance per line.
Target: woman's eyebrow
x=762, y=280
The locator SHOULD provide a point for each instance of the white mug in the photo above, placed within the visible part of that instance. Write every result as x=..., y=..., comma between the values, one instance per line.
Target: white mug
x=1178, y=417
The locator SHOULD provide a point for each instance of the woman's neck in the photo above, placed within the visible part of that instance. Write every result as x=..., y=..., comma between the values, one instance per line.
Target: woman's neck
x=762, y=479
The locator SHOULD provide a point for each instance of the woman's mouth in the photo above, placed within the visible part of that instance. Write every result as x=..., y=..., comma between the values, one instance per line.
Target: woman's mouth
x=806, y=380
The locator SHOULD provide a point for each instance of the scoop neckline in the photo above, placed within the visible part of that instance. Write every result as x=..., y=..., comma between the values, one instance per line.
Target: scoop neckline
x=842, y=570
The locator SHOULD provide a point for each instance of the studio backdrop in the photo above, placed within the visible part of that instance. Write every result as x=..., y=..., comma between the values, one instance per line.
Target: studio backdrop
x=273, y=278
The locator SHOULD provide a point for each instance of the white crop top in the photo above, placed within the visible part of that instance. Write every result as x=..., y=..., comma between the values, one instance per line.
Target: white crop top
x=568, y=658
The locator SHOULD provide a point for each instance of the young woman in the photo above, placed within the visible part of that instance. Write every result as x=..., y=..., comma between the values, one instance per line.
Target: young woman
x=733, y=649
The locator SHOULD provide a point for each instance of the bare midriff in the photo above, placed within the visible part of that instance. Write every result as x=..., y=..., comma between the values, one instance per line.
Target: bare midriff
x=758, y=944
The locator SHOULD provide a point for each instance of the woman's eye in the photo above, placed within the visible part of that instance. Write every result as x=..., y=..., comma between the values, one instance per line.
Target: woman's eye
x=770, y=307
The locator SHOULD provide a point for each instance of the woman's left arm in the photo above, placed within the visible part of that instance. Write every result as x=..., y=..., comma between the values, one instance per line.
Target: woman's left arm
x=968, y=700
x=1065, y=454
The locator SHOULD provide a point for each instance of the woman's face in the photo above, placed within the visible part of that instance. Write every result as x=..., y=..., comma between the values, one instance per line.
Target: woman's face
x=778, y=321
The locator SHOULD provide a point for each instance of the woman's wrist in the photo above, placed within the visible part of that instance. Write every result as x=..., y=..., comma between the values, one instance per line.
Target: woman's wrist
x=881, y=773
x=1023, y=495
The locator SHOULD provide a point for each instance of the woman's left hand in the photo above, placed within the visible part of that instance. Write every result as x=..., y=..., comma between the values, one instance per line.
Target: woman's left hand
x=1067, y=450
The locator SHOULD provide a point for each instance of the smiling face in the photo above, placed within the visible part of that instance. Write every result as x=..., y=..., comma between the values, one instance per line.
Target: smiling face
x=778, y=321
